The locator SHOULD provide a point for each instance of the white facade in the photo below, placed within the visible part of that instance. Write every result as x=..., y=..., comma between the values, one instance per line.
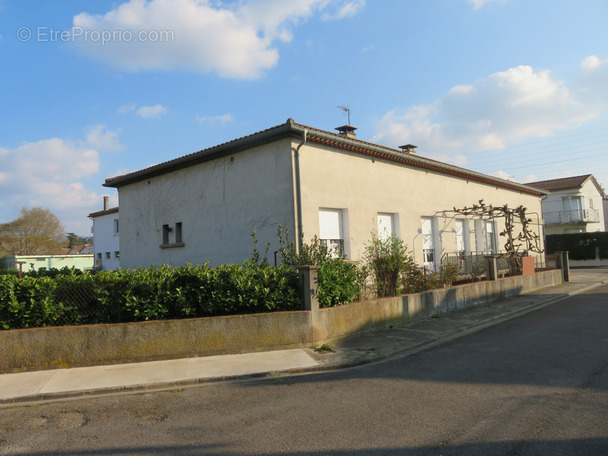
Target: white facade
x=574, y=205
x=106, y=244
x=204, y=207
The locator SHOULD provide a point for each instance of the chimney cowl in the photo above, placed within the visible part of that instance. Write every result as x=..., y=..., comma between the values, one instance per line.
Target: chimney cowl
x=106, y=203
x=347, y=130
x=408, y=148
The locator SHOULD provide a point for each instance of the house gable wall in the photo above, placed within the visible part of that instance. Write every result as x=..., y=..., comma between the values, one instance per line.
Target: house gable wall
x=219, y=204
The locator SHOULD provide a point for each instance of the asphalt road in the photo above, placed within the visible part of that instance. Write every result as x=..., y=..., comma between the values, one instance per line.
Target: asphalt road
x=536, y=385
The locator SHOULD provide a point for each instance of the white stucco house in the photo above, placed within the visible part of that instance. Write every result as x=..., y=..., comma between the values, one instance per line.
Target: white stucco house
x=106, y=237
x=573, y=204
x=204, y=206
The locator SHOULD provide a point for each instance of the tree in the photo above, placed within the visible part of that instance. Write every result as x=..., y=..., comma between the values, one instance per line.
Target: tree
x=36, y=231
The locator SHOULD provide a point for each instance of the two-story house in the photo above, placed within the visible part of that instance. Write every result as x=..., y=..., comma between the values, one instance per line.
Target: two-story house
x=573, y=204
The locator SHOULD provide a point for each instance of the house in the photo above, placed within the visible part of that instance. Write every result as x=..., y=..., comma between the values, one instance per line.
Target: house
x=85, y=249
x=573, y=204
x=83, y=262
x=205, y=206
x=105, y=237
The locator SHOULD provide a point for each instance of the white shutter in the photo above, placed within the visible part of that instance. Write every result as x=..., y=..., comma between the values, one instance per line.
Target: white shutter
x=330, y=224
x=385, y=226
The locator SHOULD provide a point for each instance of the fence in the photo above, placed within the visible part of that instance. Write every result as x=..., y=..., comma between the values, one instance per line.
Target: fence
x=473, y=264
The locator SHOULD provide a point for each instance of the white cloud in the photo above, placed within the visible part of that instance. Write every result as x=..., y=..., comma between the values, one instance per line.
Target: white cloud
x=49, y=173
x=503, y=175
x=478, y=4
x=126, y=109
x=213, y=120
x=344, y=9
x=236, y=40
x=591, y=85
x=99, y=138
x=492, y=112
x=148, y=112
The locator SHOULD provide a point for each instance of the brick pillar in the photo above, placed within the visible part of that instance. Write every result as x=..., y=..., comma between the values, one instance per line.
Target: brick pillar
x=564, y=264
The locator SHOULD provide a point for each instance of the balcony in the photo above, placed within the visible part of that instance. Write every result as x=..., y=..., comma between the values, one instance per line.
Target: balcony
x=572, y=217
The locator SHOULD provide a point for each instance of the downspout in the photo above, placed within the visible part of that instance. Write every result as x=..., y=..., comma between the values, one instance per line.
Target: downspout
x=298, y=193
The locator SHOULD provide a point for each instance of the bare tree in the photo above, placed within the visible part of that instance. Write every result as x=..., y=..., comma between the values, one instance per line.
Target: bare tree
x=36, y=231
x=515, y=247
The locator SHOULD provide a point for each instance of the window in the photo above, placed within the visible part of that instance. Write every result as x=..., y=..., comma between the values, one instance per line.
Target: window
x=166, y=231
x=386, y=226
x=490, y=237
x=331, y=231
x=99, y=256
x=167, y=238
x=428, y=243
x=108, y=256
x=178, y=232
x=573, y=208
x=116, y=254
x=115, y=226
x=460, y=239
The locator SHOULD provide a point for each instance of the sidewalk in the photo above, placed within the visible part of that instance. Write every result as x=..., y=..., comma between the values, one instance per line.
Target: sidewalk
x=358, y=349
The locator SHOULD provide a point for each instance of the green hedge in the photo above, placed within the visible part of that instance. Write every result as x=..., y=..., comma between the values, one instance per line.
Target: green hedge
x=157, y=293
x=580, y=246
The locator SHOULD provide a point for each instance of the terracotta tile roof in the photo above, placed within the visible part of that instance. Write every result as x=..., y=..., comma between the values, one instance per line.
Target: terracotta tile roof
x=564, y=183
x=291, y=129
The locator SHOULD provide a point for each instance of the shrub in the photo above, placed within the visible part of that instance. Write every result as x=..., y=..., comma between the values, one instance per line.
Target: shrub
x=387, y=259
x=338, y=278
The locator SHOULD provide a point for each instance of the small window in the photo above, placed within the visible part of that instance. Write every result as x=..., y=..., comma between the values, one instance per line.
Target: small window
x=116, y=254
x=115, y=226
x=166, y=231
x=178, y=232
x=108, y=256
x=99, y=256
x=330, y=230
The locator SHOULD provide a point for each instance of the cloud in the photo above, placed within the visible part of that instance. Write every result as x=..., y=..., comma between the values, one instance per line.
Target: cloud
x=126, y=109
x=235, y=40
x=101, y=139
x=590, y=86
x=478, y=4
x=344, y=9
x=148, y=112
x=494, y=111
x=48, y=173
x=213, y=120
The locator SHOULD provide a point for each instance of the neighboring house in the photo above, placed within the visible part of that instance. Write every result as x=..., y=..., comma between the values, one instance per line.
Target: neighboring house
x=573, y=204
x=106, y=237
x=81, y=250
x=206, y=205
x=35, y=262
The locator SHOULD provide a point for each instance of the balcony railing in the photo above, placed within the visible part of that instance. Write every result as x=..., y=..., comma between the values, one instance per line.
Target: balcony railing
x=570, y=217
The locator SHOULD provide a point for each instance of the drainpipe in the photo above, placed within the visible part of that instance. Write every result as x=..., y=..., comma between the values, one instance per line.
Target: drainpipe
x=298, y=193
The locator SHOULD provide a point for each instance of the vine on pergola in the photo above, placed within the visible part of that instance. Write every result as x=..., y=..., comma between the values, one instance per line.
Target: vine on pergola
x=526, y=238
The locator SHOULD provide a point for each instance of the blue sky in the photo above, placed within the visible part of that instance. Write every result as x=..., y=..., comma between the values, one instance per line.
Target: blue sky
x=90, y=90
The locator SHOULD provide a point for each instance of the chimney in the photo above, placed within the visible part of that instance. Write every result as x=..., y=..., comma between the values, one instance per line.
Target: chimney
x=347, y=131
x=408, y=148
x=106, y=203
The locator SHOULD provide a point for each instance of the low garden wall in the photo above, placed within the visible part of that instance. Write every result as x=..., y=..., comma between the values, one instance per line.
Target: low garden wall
x=60, y=347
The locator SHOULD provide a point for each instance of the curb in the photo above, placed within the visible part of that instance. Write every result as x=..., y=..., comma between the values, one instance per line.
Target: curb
x=395, y=354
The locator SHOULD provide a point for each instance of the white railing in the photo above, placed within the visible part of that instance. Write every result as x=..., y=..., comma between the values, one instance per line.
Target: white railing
x=568, y=217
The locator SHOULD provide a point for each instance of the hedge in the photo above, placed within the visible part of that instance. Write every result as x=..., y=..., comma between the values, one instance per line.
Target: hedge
x=160, y=292
x=580, y=246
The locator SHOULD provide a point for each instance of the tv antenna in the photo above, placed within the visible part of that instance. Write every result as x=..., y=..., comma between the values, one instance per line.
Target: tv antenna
x=346, y=109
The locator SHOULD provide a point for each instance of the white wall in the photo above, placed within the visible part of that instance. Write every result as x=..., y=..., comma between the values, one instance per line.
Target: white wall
x=364, y=186
x=106, y=240
x=219, y=203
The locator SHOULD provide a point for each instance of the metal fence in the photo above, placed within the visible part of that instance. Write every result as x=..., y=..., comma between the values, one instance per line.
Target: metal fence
x=473, y=264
